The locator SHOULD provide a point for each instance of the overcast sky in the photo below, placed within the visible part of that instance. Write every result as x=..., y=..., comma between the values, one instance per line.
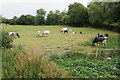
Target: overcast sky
x=11, y=8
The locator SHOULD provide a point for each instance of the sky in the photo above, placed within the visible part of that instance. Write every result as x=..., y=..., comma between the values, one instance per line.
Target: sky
x=11, y=8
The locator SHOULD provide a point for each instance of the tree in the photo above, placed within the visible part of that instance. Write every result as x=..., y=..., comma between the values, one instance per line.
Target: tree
x=14, y=21
x=104, y=12
x=5, y=20
x=53, y=18
x=41, y=12
x=78, y=14
x=96, y=14
x=65, y=19
x=22, y=20
x=26, y=20
x=40, y=17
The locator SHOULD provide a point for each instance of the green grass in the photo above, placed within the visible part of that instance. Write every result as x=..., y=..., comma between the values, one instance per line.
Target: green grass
x=112, y=42
x=30, y=40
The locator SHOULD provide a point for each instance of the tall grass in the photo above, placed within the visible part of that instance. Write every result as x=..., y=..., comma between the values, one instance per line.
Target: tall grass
x=20, y=64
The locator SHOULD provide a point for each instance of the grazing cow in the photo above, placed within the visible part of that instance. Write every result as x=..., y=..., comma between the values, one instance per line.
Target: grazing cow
x=64, y=30
x=46, y=33
x=39, y=33
x=100, y=39
x=14, y=34
x=74, y=32
x=81, y=32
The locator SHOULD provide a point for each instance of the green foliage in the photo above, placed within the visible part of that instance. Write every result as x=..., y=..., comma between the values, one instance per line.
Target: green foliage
x=60, y=56
x=95, y=16
x=40, y=19
x=78, y=15
x=41, y=12
x=26, y=20
x=53, y=18
x=6, y=40
x=6, y=21
x=88, y=69
x=14, y=21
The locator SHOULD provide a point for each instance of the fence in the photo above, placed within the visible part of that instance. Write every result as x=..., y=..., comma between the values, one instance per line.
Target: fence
x=54, y=49
x=96, y=51
x=73, y=49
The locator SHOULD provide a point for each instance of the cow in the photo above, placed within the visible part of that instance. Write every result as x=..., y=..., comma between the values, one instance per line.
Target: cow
x=14, y=34
x=46, y=33
x=100, y=39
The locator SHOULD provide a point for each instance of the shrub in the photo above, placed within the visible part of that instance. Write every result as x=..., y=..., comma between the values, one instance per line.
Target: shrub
x=51, y=70
x=6, y=40
x=20, y=64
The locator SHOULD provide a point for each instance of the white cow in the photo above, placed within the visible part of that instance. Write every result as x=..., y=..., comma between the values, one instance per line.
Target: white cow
x=46, y=32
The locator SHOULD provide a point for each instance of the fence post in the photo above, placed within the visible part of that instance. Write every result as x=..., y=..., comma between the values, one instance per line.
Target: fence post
x=96, y=52
x=72, y=49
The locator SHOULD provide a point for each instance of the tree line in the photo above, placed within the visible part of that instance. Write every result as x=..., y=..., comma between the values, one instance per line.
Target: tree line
x=96, y=14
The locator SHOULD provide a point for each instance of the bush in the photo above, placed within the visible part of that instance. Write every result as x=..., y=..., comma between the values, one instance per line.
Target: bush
x=6, y=40
x=16, y=63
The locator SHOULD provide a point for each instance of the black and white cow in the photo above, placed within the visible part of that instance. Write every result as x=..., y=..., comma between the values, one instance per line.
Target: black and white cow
x=14, y=34
x=74, y=32
x=100, y=39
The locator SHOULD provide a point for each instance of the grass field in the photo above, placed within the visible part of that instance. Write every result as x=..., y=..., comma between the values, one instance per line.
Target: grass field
x=18, y=62
x=30, y=40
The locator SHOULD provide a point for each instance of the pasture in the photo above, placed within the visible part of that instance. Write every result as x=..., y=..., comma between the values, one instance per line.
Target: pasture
x=30, y=40
x=21, y=62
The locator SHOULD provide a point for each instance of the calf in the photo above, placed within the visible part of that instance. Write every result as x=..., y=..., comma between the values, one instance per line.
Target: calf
x=81, y=32
x=74, y=32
